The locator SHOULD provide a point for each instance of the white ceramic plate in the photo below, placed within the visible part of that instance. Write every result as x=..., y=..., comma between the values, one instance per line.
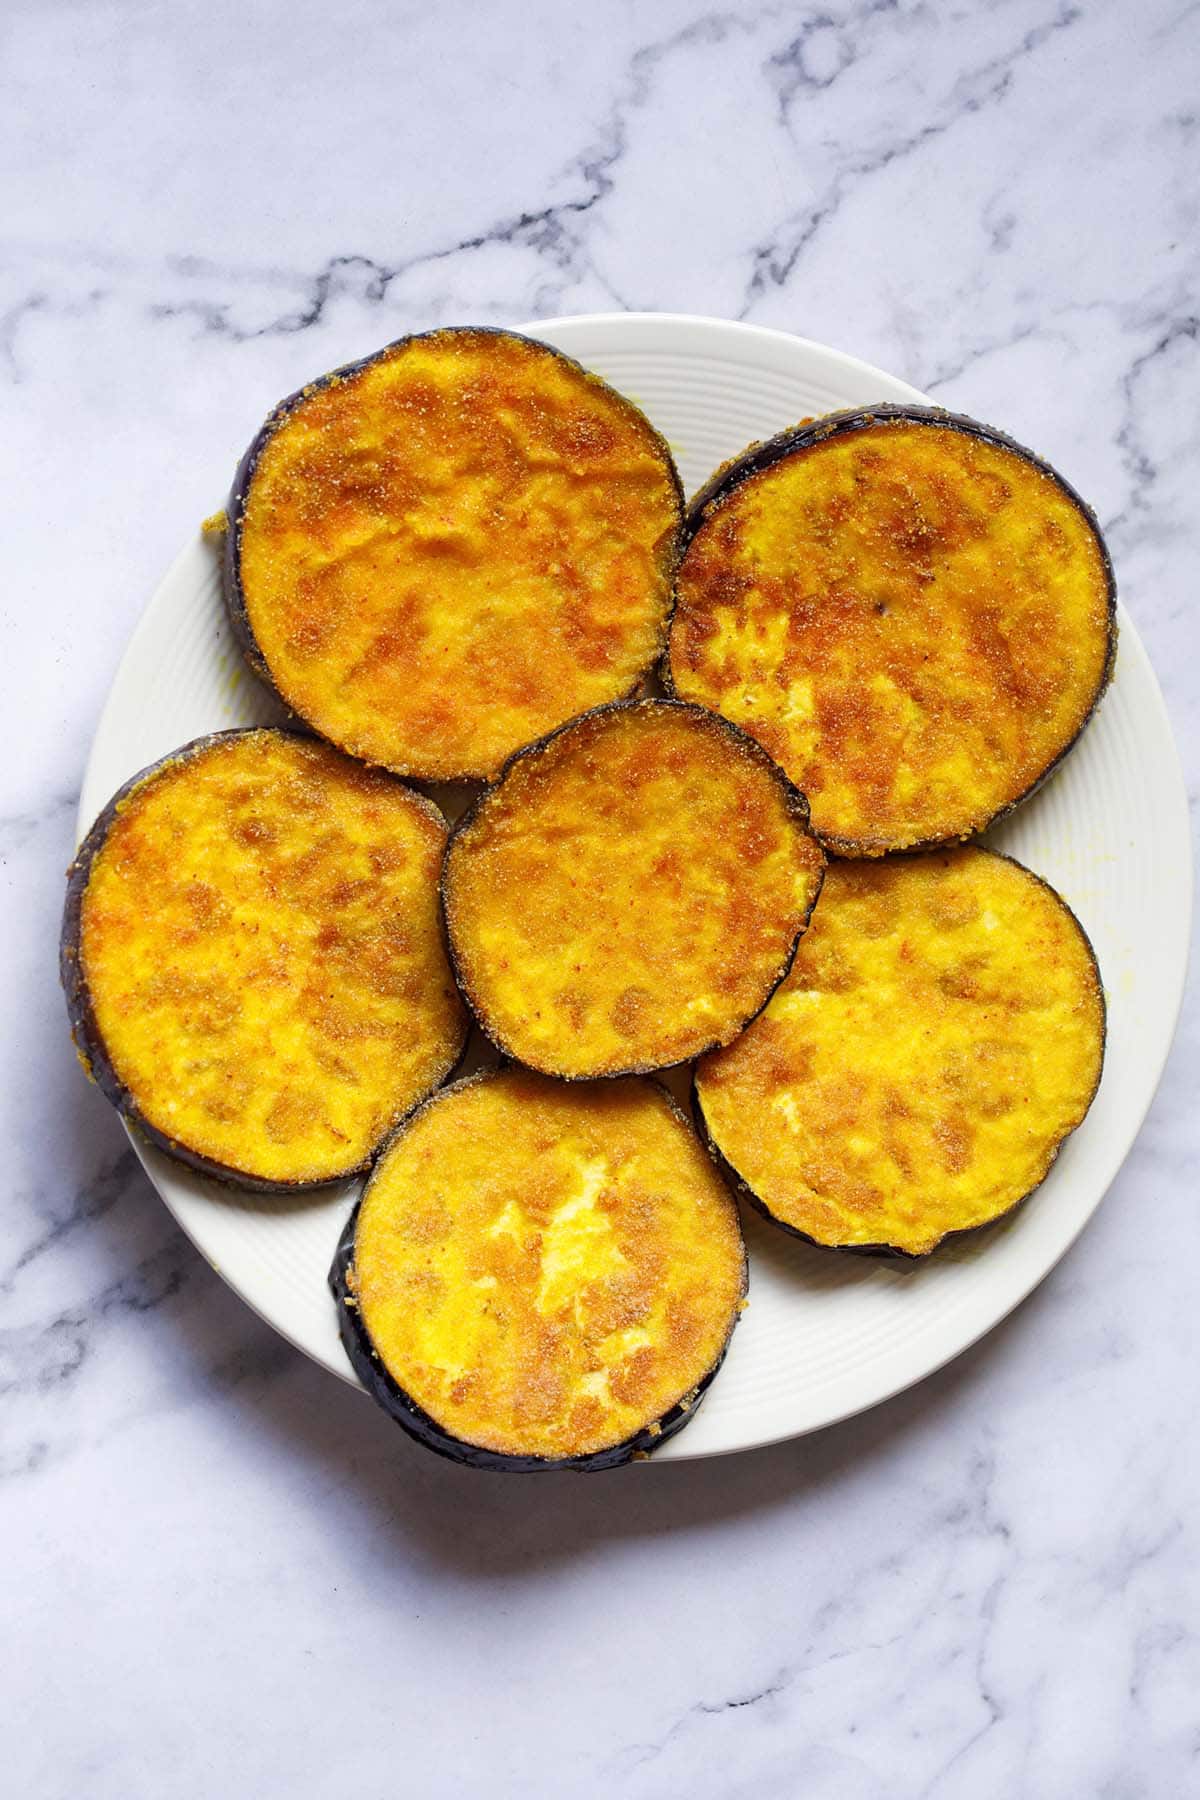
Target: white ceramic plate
x=823, y=1336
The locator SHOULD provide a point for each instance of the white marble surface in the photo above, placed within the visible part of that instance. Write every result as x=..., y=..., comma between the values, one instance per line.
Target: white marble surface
x=225, y=1573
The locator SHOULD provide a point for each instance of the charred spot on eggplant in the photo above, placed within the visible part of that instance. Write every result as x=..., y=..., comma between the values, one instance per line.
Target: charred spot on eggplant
x=940, y=1034
x=541, y=1276
x=912, y=613
x=630, y=892
x=444, y=551
x=253, y=958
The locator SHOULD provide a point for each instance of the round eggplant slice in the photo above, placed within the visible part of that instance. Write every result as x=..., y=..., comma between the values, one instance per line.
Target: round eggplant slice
x=630, y=892
x=912, y=613
x=442, y=552
x=253, y=958
x=940, y=1034
x=539, y=1275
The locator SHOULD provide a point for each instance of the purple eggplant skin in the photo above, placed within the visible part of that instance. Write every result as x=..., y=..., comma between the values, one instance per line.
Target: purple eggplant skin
x=85, y=1029
x=797, y=807
x=387, y=1393
x=892, y=1252
x=235, y=507
x=758, y=457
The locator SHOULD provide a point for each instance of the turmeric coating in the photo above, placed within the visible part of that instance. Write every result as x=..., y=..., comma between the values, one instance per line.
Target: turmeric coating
x=630, y=892
x=941, y=1032
x=547, y=1270
x=448, y=551
x=915, y=622
x=261, y=950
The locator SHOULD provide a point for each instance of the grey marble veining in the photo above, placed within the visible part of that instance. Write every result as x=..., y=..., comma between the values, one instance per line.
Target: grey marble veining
x=228, y=1575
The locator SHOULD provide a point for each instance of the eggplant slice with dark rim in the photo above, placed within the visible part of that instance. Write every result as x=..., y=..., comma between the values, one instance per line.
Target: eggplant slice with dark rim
x=253, y=958
x=541, y=1275
x=915, y=615
x=441, y=552
x=630, y=892
x=941, y=1033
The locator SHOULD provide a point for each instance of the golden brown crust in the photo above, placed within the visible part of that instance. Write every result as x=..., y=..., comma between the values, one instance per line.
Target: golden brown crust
x=449, y=549
x=911, y=614
x=630, y=892
x=258, y=944
x=545, y=1270
x=941, y=1032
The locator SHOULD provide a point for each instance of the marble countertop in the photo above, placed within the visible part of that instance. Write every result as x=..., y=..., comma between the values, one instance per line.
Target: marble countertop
x=226, y=1573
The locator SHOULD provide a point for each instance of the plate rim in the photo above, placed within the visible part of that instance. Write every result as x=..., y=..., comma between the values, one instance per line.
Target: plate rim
x=1130, y=646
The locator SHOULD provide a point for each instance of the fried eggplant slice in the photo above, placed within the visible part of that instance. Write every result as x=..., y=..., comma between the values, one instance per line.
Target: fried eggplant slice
x=940, y=1034
x=253, y=958
x=630, y=892
x=912, y=613
x=541, y=1275
x=442, y=552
